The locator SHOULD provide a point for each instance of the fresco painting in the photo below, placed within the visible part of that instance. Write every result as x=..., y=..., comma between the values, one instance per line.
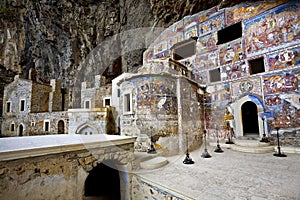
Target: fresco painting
x=206, y=61
x=284, y=60
x=211, y=25
x=246, y=11
x=207, y=43
x=280, y=83
x=279, y=26
x=231, y=52
x=234, y=71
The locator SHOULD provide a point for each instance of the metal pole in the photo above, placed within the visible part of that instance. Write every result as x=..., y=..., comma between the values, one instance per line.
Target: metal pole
x=278, y=154
x=187, y=159
x=218, y=148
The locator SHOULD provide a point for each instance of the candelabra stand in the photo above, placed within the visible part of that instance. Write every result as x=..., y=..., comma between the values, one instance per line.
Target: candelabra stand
x=187, y=159
x=264, y=138
x=278, y=154
x=205, y=154
x=218, y=148
x=152, y=150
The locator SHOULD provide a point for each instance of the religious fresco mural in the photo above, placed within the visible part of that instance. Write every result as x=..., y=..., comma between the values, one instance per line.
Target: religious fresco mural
x=246, y=11
x=191, y=32
x=231, y=52
x=282, y=82
x=200, y=76
x=206, y=61
x=156, y=94
x=248, y=86
x=211, y=25
x=234, y=71
x=284, y=59
x=154, y=66
x=272, y=29
x=207, y=43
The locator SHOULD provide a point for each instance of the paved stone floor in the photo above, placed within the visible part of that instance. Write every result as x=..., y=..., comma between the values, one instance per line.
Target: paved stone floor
x=231, y=175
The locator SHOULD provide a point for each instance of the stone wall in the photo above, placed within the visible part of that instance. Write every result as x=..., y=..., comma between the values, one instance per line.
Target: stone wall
x=40, y=97
x=60, y=176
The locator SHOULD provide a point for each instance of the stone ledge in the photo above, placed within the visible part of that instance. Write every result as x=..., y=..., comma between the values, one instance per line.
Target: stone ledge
x=154, y=163
x=32, y=146
x=293, y=150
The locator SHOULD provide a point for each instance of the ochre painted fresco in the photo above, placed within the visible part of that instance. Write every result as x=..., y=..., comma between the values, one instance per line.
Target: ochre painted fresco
x=284, y=60
x=231, y=52
x=274, y=28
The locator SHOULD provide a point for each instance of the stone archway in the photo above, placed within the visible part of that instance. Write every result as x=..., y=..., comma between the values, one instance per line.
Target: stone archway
x=87, y=129
x=103, y=182
x=253, y=107
x=250, y=119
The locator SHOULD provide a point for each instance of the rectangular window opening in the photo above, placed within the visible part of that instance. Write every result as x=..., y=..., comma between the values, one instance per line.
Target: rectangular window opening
x=256, y=66
x=47, y=126
x=87, y=104
x=184, y=49
x=230, y=33
x=215, y=75
x=106, y=102
x=8, y=106
x=22, y=105
x=12, y=127
x=127, y=103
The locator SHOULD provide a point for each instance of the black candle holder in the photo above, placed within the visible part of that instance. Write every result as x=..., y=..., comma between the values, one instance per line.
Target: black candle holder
x=278, y=154
x=264, y=138
x=187, y=159
x=205, y=154
x=218, y=148
x=151, y=150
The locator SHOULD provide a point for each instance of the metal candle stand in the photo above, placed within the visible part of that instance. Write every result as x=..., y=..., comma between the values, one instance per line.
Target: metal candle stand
x=218, y=148
x=264, y=138
x=152, y=150
x=187, y=159
x=278, y=154
x=205, y=154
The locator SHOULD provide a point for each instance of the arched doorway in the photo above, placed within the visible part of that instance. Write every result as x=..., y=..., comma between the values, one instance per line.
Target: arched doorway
x=61, y=127
x=250, y=118
x=21, y=130
x=103, y=182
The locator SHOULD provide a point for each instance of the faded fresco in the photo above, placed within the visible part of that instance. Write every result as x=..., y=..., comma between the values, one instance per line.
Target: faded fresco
x=206, y=61
x=284, y=59
x=234, y=71
x=157, y=95
x=207, y=43
x=211, y=25
x=231, y=52
x=246, y=11
x=272, y=29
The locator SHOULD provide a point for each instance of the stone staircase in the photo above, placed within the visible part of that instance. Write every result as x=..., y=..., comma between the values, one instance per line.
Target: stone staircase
x=247, y=145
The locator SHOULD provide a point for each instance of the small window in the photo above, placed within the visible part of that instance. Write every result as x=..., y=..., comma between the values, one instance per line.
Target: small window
x=12, y=127
x=8, y=106
x=256, y=66
x=230, y=33
x=106, y=102
x=184, y=49
x=215, y=75
x=87, y=104
x=22, y=105
x=46, y=125
x=127, y=103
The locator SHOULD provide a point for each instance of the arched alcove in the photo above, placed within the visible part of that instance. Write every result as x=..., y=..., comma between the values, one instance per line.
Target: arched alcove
x=61, y=127
x=250, y=118
x=87, y=129
x=21, y=129
x=103, y=182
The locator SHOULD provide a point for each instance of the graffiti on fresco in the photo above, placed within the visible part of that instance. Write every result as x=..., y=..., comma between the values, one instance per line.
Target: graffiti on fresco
x=211, y=25
x=206, y=61
x=246, y=11
x=283, y=60
x=207, y=43
x=273, y=29
x=234, y=71
x=280, y=83
x=231, y=52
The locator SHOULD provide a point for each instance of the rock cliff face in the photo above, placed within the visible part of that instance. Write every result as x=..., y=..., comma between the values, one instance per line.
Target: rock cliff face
x=70, y=40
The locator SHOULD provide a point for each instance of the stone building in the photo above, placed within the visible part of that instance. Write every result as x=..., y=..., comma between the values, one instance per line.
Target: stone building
x=96, y=114
x=31, y=108
x=159, y=102
x=248, y=56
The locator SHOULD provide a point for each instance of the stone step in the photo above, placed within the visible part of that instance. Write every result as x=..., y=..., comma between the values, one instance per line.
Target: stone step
x=252, y=149
x=250, y=143
x=154, y=163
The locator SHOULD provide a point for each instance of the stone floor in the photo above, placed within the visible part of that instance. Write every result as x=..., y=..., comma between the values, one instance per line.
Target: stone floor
x=231, y=175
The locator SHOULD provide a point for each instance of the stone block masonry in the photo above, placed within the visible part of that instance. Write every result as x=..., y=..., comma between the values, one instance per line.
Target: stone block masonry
x=56, y=166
